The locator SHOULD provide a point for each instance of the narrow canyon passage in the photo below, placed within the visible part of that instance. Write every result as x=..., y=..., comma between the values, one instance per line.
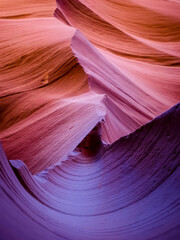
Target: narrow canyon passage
x=89, y=120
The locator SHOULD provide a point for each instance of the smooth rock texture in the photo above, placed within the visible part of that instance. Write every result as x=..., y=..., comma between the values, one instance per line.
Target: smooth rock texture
x=90, y=120
x=132, y=190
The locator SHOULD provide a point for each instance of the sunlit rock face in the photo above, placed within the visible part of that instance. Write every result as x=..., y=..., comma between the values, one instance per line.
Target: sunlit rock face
x=90, y=120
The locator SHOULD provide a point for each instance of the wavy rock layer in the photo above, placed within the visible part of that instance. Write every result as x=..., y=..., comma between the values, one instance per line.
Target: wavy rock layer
x=71, y=85
x=130, y=191
x=141, y=38
x=26, y=9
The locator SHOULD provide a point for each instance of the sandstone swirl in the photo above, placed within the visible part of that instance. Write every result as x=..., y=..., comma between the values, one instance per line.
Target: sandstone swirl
x=89, y=121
